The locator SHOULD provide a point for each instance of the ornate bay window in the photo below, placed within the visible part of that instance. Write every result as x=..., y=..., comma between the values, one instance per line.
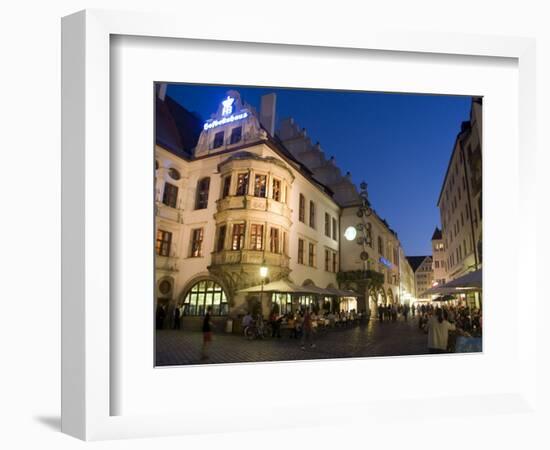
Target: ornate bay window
x=274, y=240
x=260, y=186
x=276, y=190
x=242, y=184
x=256, y=236
x=237, y=239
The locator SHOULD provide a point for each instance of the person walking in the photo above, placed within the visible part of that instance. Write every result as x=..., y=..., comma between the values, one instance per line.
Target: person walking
x=206, y=334
x=438, y=332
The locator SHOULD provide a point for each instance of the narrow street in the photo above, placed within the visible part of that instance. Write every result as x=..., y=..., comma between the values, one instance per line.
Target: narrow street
x=175, y=347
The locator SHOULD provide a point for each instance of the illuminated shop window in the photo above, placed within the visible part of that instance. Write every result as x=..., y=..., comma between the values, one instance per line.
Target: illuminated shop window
x=283, y=302
x=203, y=294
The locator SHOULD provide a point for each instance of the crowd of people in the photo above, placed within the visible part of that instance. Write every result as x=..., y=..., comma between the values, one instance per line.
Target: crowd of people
x=441, y=324
x=301, y=324
x=391, y=312
x=444, y=324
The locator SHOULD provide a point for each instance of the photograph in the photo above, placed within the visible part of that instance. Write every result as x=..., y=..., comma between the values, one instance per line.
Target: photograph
x=300, y=224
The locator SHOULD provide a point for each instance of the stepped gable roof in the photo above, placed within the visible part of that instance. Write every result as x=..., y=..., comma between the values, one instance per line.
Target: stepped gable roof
x=416, y=261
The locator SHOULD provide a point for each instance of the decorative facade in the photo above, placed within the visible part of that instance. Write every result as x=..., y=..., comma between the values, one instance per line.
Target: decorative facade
x=246, y=196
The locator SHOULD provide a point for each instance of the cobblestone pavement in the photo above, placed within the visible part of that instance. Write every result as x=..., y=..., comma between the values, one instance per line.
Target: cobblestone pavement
x=175, y=347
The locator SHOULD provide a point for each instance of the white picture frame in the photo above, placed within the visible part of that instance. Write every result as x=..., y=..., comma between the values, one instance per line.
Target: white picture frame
x=87, y=386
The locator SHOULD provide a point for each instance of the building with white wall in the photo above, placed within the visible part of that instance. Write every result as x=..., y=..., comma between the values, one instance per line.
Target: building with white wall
x=460, y=200
x=439, y=258
x=240, y=201
x=247, y=196
x=422, y=267
x=369, y=264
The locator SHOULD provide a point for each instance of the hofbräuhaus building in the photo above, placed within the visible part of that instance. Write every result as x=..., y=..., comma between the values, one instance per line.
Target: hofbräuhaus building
x=232, y=195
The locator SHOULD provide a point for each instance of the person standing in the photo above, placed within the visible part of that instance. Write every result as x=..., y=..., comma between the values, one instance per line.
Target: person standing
x=160, y=316
x=307, y=330
x=438, y=332
x=206, y=334
x=176, y=318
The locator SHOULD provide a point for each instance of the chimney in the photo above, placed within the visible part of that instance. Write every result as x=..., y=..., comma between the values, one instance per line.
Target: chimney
x=267, y=112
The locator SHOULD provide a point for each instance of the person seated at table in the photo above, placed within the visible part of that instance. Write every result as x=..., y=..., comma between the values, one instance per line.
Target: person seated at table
x=247, y=320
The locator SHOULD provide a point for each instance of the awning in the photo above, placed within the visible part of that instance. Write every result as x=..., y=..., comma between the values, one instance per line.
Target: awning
x=283, y=286
x=341, y=292
x=444, y=298
x=471, y=282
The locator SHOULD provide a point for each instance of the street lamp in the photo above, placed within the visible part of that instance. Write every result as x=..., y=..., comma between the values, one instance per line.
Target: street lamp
x=350, y=233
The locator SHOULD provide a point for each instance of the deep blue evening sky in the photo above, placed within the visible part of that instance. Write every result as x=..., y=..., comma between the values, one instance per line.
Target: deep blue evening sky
x=399, y=144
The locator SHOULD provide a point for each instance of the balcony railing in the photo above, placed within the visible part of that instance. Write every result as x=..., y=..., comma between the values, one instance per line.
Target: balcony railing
x=169, y=213
x=253, y=203
x=249, y=257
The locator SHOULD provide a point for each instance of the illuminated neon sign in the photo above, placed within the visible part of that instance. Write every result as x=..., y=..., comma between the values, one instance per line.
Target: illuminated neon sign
x=227, y=106
x=228, y=117
x=385, y=262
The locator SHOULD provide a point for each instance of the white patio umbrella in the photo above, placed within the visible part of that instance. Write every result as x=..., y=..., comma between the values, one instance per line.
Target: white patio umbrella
x=471, y=282
x=283, y=286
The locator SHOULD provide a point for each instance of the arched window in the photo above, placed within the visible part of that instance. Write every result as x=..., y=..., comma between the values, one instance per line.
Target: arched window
x=201, y=199
x=203, y=294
